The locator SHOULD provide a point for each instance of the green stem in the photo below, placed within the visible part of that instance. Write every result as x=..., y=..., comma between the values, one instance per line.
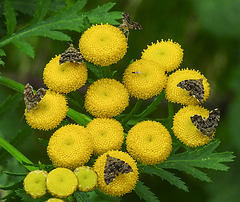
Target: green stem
x=132, y=112
x=170, y=114
x=151, y=107
x=79, y=118
x=17, y=154
x=12, y=84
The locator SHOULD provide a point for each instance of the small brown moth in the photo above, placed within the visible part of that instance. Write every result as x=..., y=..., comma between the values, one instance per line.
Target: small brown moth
x=207, y=126
x=113, y=167
x=71, y=55
x=31, y=100
x=127, y=24
x=195, y=88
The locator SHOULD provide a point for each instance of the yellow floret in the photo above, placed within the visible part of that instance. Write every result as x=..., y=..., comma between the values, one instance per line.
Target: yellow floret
x=179, y=95
x=70, y=147
x=149, y=142
x=48, y=113
x=106, y=98
x=64, y=78
x=103, y=44
x=167, y=54
x=144, y=79
x=184, y=129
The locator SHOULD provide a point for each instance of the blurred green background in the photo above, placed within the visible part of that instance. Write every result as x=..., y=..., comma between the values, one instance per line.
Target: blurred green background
x=209, y=33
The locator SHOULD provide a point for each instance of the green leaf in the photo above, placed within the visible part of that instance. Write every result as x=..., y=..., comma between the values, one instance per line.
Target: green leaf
x=144, y=192
x=203, y=157
x=1, y=62
x=107, y=197
x=10, y=17
x=81, y=196
x=14, y=174
x=41, y=11
x=25, y=47
x=170, y=177
x=12, y=186
x=79, y=118
x=25, y=197
x=2, y=53
x=12, y=84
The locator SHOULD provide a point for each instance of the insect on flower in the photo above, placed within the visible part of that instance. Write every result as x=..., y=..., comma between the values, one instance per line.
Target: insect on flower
x=71, y=55
x=31, y=100
x=207, y=126
x=127, y=24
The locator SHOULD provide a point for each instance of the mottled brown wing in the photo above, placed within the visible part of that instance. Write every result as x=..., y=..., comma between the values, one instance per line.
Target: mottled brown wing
x=71, y=55
x=195, y=88
x=207, y=126
x=30, y=99
x=113, y=167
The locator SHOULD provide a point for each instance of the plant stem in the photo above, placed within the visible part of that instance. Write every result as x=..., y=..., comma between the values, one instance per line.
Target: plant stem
x=12, y=84
x=79, y=118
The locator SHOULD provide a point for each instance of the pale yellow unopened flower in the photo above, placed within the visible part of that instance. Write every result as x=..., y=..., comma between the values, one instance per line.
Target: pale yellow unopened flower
x=70, y=147
x=144, y=79
x=106, y=134
x=184, y=129
x=149, y=142
x=167, y=54
x=64, y=78
x=123, y=183
x=103, y=44
x=179, y=95
x=48, y=113
x=35, y=183
x=106, y=98
x=87, y=178
x=61, y=182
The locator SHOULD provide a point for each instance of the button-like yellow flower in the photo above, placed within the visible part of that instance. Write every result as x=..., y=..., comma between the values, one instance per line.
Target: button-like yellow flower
x=64, y=78
x=55, y=200
x=167, y=54
x=123, y=183
x=48, y=113
x=87, y=178
x=144, y=79
x=103, y=44
x=61, y=182
x=106, y=134
x=70, y=147
x=184, y=129
x=149, y=142
x=179, y=95
x=35, y=183
x=106, y=98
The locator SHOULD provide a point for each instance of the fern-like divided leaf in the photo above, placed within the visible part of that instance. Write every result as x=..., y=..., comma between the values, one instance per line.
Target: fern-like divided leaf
x=68, y=19
x=204, y=157
x=144, y=192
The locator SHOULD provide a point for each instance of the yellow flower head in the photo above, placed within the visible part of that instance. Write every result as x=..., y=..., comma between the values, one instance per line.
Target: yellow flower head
x=55, y=200
x=69, y=146
x=48, y=113
x=87, y=178
x=103, y=44
x=64, y=78
x=144, y=79
x=179, y=95
x=106, y=98
x=35, y=183
x=123, y=183
x=184, y=129
x=167, y=54
x=106, y=134
x=149, y=142
x=61, y=182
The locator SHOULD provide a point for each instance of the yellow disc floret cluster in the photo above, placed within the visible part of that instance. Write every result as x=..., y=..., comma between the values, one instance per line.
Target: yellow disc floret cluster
x=123, y=183
x=149, y=142
x=167, y=54
x=48, y=113
x=64, y=78
x=179, y=95
x=184, y=129
x=144, y=79
x=106, y=134
x=61, y=182
x=106, y=98
x=103, y=44
x=70, y=147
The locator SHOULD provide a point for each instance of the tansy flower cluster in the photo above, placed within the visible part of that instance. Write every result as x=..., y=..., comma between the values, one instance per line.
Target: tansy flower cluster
x=147, y=142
